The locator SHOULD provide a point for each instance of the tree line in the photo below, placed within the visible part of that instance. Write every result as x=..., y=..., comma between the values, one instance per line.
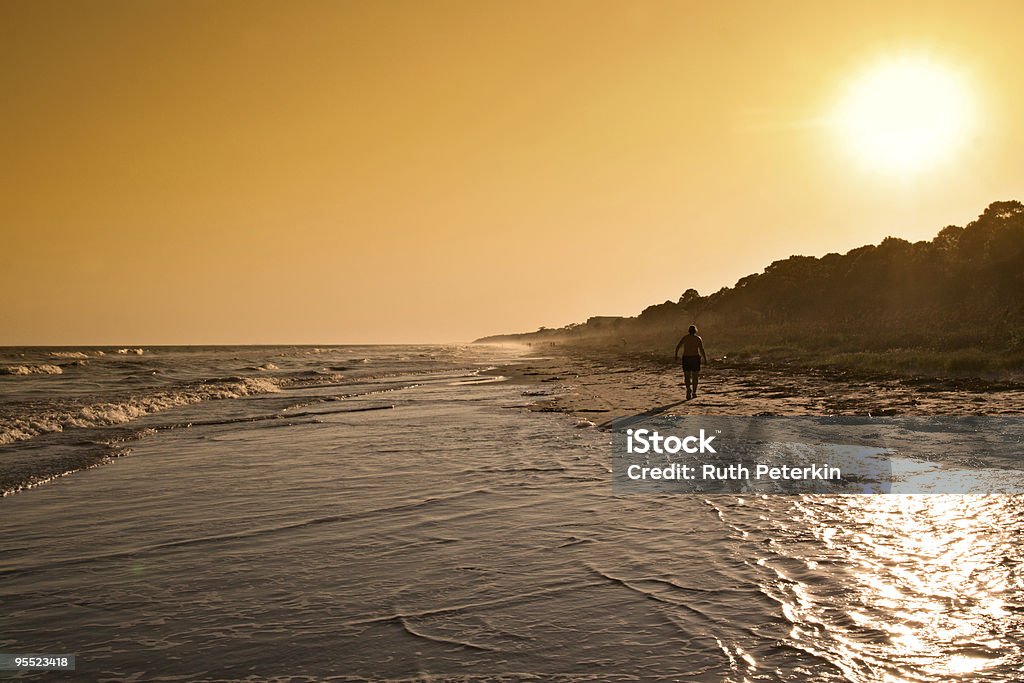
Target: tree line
x=958, y=292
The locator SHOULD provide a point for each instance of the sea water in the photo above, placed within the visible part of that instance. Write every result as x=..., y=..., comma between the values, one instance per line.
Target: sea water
x=354, y=513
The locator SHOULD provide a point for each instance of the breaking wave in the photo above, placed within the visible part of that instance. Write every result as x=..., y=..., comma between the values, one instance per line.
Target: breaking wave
x=120, y=412
x=68, y=354
x=43, y=369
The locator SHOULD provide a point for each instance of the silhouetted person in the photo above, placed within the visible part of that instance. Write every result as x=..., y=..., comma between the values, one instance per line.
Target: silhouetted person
x=693, y=351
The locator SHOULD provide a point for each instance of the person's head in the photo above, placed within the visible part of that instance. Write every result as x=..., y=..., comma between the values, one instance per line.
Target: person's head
x=693, y=329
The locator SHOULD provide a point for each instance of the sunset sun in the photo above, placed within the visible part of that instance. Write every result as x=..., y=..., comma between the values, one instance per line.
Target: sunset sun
x=904, y=115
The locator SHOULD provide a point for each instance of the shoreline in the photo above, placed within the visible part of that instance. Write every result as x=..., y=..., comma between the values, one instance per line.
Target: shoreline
x=460, y=522
x=598, y=385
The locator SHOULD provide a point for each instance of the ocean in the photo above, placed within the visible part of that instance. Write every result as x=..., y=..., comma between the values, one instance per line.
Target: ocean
x=400, y=513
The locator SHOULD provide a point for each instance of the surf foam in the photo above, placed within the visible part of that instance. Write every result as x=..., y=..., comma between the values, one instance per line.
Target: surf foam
x=43, y=369
x=111, y=413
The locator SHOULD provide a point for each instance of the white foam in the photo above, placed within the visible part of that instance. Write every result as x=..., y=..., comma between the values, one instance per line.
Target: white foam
x=105, y=414
x=68, y=354
x=137, y=352
x=44, y=369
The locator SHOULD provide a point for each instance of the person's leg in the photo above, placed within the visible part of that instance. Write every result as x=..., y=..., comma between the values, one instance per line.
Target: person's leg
x=696, y=378
x=688, y=378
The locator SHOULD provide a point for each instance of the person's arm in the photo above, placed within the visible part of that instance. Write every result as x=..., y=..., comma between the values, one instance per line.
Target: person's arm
x=700, y=345
x=677, y=347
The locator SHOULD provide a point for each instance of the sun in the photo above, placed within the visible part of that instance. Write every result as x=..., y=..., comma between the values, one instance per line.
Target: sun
x=905, y=115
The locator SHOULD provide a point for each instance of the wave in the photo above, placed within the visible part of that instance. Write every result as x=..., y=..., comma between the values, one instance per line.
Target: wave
x=137, y=352
x=266, y=367
x=43, y=369
x=120, y=412
x=68, y=354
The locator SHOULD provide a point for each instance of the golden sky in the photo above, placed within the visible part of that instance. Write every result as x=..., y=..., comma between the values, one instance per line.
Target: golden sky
x=416, y=171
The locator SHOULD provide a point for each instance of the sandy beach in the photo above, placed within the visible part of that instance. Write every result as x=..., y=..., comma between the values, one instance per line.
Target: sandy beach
x=600, y=385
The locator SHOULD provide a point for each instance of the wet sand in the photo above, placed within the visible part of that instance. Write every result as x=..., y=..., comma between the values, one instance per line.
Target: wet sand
x=410, y=520
x=602, y=385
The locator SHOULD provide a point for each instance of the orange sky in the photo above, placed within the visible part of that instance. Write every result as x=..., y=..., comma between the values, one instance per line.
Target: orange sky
x=414, y=171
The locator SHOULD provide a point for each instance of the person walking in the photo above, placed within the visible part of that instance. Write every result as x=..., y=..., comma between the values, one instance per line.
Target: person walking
x=693, y=350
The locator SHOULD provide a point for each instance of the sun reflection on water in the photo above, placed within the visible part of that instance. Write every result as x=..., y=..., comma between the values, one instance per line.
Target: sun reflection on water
x=932, y=586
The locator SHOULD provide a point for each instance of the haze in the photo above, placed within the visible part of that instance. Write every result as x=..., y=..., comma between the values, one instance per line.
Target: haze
x=354, y=172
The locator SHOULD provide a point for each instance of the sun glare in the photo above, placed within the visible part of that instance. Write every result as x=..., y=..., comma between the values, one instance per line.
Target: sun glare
x=902, y=116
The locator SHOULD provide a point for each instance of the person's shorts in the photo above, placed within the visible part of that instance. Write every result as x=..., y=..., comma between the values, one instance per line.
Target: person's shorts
x=691, y=363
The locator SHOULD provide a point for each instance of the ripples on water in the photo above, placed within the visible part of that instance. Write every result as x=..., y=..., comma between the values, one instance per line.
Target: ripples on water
x=295, y=535
x=895, y=588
